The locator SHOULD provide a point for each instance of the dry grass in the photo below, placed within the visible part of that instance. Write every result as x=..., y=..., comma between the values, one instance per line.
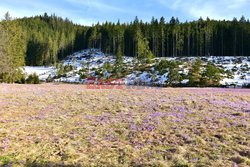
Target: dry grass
x=69, y=125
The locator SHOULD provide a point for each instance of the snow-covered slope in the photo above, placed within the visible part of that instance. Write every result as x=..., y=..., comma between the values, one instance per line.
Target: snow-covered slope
x=42, y=72
x=89, y=62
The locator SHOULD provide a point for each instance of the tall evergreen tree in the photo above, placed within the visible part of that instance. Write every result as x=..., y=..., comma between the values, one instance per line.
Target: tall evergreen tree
x=4, y=59
x=12, y=51
x=195, y=73
x=119, y=61
x=142, y=48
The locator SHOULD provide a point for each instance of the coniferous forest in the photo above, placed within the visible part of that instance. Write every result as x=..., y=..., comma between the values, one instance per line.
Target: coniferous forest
x=44, y=40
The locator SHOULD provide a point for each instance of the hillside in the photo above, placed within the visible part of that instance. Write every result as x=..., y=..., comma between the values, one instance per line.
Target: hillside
x=80, y=66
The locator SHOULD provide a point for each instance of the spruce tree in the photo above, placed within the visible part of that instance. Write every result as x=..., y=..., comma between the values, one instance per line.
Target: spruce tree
x=12, y=51
x=195, y=73
x=119, y=62
x=142, y=48
x=212, y=75
x=5, y=64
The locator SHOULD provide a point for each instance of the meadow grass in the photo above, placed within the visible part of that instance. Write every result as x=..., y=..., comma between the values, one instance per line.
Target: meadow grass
x=69, y=125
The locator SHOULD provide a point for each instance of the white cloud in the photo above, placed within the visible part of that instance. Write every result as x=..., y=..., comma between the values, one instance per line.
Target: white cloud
x=88, y=21
x=216, y=9
x=30, y=8
x=176, y=4
x=97, y=5
x=206, y=11
x=85, y=12
x=17, y=13
x=236, y=4
x=89, y=11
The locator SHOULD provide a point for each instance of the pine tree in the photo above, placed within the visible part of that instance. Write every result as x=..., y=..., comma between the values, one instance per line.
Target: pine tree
x=162, y=27
x=195, y=73
x=93, y=38
x=211, y=76
x=174, y=76
x=5, y=64
x=142, y=48
x=13, y=50
x=119, y=62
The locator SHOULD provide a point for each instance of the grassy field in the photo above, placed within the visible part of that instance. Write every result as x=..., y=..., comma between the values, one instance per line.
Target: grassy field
x=69, y=125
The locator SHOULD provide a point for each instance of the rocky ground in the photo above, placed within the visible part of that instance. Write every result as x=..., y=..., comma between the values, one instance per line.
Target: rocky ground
x=70, y=125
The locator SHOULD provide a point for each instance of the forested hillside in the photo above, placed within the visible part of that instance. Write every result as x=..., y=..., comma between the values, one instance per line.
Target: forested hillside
x=50, y=38
x=36, y=41
x=43, y=40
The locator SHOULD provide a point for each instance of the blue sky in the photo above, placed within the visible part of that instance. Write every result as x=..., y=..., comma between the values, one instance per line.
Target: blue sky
x=87, y=12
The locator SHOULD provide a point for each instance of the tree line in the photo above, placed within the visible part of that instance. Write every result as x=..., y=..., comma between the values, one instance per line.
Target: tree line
x=44, y=40
x=173, y=38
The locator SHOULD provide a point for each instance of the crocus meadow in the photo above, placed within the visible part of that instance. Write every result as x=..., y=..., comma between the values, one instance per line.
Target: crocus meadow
x=70, y=125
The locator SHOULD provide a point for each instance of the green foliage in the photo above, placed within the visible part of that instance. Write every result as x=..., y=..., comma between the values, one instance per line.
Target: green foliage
x=195, y=73
x=99, y=73
x=212, y=75
x=62, y=70
x=5, y=160
x=196, y=38
x=12, y=51
x=38, y=50
x=172, y=67
x=35, y=41
x=93, y=38
x=174, y=76
x=4, y=59
x=49, y=38
x=119, y=62
x=150, y=57
x=83, y=76
x=14, y=76
x=142, y=47
x=126, y=70
x=162, y=66
x=205, y=75
x=108, y=67
x=33, y=79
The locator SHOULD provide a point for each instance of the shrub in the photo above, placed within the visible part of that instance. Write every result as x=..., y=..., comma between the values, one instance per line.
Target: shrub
x=50, y=79
x=99, y=73
x=205, y=75
x=33, y=79
x=15, y=76
x=246, y=86
x=195, y=73
x=162, y=66
x=174, y=76
x=83, y=76
x=211, y=76
x=62, y=70
x=108, y=67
